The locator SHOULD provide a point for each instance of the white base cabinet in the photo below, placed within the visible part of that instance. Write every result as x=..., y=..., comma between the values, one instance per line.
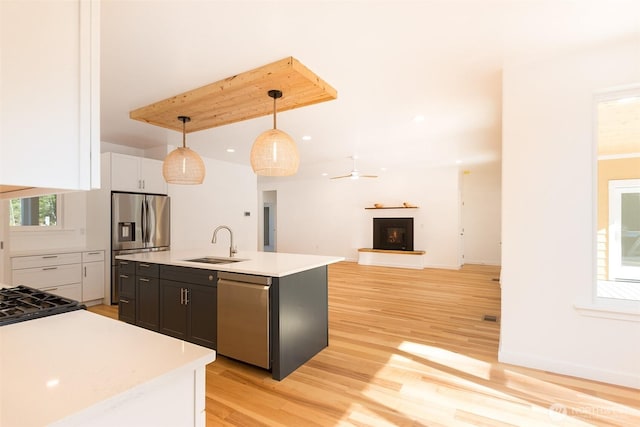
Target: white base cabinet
x=75, y=275
x=92, y=276
x=59, y=274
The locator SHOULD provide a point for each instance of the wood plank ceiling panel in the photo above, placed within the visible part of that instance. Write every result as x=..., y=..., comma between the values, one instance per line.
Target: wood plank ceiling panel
x=240, y=97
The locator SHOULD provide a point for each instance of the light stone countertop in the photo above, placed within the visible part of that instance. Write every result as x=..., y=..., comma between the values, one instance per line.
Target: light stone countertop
x=272, y=264
x=58, y=366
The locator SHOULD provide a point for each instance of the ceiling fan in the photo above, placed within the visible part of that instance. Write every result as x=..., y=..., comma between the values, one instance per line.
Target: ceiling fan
x=355, y=173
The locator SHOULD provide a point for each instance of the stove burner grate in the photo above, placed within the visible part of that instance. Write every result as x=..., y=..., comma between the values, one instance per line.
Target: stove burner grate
x=22, y=303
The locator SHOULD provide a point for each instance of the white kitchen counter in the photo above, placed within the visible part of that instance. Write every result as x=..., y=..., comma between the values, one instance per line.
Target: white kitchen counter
x=80, y=368
x=272, y=264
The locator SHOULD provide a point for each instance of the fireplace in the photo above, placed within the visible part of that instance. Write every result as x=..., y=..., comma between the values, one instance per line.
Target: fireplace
x=393, y=234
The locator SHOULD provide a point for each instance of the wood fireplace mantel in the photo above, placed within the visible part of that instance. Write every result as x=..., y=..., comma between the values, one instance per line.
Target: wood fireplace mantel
x=393, y=207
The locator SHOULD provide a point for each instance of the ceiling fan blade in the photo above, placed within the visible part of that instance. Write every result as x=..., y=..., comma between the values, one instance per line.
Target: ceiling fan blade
x=355, y=173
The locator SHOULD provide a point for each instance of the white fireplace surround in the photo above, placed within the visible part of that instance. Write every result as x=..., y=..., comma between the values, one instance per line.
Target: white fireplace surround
x=387, y=258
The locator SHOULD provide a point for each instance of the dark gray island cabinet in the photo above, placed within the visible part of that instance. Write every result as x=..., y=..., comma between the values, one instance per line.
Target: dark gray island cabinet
x=188, y=304
x=182, y=302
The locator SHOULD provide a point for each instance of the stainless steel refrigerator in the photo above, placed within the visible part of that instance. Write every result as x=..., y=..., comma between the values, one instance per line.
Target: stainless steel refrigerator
x=139, y=223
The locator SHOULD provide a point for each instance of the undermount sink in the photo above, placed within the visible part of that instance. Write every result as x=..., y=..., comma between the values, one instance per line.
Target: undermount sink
x=215, y=260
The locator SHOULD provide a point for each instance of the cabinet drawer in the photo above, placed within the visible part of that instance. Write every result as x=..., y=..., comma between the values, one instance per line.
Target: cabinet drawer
x=92, y=256
x=48, y=276
x=126, y=267
x=73, y=291
x=126, y=284
x=127, y=309
x=147, y=270
x=45, y=260
x=189, y=275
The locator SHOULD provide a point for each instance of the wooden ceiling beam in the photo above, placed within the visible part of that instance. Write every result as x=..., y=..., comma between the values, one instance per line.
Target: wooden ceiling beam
x=240, y=97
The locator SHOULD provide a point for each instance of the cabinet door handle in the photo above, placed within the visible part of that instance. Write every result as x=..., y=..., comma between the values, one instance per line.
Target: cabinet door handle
x=186, y=297
x=124, y=276
x=144, y=279
x=50, y=289
x=85, y=271
x=93, y=253
x=144, y=265
x=49, y=268
x=181, y=296
x=49, y=256
x=124, y=263
x=124, y=301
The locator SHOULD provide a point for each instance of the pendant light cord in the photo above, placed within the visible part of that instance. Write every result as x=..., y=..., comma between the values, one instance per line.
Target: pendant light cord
x=275, y=94
x=184, y=134
x=274, y=112
x=184, y=120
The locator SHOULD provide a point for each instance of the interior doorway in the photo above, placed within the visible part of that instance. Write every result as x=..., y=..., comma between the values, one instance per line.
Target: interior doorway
x=269, y=207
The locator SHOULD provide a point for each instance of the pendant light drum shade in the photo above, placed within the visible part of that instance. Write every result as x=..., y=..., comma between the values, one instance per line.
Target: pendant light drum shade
x=183, y=165
x=274, y=152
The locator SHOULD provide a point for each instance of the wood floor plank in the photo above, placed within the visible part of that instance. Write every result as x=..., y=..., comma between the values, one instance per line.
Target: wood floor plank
x=411, y=348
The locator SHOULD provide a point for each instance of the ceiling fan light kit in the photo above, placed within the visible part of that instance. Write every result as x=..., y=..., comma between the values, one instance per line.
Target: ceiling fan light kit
x=274, y=152
x=355, y=173
x=183, y=165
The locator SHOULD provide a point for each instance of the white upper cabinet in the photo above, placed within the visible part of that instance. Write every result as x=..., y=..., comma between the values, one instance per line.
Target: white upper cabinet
x=137, y=174
x=49, y=94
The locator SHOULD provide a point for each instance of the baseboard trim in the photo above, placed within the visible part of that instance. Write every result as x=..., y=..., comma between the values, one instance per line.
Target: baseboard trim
x=581, y=371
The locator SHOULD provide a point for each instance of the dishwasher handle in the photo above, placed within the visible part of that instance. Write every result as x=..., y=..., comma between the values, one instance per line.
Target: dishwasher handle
x=244, y=278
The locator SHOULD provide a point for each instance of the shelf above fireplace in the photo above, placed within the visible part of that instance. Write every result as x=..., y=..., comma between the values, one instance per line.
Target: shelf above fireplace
x=394, y=207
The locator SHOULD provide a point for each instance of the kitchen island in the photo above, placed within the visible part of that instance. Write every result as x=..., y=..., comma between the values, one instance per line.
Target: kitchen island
x=80, y=368
x=171, y=293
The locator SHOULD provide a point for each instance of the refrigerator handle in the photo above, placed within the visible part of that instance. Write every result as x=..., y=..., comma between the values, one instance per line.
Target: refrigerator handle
x=148, y=221
x=143, y=221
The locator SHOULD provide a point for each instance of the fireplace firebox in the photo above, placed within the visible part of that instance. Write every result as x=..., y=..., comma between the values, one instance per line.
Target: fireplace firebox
x=393, y=234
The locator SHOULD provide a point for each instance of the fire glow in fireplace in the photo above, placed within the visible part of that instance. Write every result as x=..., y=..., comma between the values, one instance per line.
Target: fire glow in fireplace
x=393, y=234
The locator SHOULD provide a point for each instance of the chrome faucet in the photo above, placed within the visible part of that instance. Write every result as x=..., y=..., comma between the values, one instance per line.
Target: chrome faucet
x=232, y=249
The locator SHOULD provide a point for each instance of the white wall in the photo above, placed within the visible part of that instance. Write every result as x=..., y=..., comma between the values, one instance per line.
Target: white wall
x=548, y=225
x=327, y=217
x=228, y=191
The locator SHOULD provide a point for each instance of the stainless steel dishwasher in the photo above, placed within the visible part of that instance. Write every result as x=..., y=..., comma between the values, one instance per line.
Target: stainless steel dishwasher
x=243, y=318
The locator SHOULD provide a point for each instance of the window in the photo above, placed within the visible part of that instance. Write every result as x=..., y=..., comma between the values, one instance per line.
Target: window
x=35, y=212
x=624, y=229
x=618, y=197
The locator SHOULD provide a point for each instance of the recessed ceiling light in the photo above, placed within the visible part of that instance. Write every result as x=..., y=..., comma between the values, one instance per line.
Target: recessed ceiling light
x=419, y=118
x=458, y=162
x=231, y=150
x=383, y=169
x=306, y=138
x=324, y=174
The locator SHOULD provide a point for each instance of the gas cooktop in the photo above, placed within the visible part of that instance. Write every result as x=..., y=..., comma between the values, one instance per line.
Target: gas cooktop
x=21, y=303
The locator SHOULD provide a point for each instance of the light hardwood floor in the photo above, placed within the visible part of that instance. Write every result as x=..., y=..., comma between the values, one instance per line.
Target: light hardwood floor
x=411, y=348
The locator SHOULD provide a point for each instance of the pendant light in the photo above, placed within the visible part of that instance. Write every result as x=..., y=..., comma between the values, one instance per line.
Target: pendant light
x=274, y=153
x=182, y=165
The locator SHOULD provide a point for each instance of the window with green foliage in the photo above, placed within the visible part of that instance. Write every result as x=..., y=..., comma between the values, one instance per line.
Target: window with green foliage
x=42, y=211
